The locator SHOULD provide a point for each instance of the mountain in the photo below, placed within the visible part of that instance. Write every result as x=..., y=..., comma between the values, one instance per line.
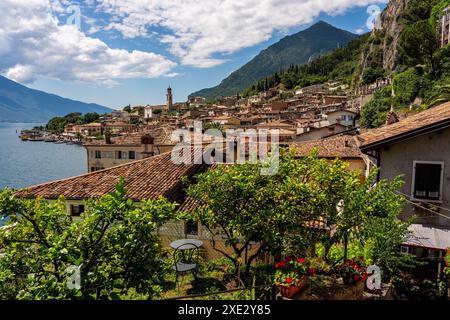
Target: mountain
x=21, y=104
x=291, y=50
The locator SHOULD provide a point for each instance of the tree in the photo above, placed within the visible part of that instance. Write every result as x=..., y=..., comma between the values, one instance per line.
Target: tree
x=234, y=205
x=371, y=213
x=278, y=213
x=417, y=10
x=114, y=246
x=418, y=43
x=127, y=108
x=372, y=74
x=373, y=115
x=90, y=117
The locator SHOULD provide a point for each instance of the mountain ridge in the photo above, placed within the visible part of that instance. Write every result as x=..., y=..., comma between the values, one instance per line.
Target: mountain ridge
x=19, y=103
x=294, y=49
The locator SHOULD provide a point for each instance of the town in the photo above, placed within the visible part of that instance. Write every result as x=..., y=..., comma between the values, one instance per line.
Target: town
x=326, y=180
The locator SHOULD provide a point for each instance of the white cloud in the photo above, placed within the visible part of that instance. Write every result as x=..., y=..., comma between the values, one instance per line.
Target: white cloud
x=360, y=31
x=201, y=31
x=33, y=43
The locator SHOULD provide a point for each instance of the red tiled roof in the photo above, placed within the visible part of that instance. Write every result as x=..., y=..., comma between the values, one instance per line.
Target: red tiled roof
x=145, y=179
x=420, y=121
x=343, y=146
x=161, y=136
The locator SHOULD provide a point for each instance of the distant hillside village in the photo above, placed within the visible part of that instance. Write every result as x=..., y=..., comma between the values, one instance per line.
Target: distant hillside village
x=313, y=113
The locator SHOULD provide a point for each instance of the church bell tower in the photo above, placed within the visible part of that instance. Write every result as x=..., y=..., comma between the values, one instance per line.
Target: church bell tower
x=169, y=104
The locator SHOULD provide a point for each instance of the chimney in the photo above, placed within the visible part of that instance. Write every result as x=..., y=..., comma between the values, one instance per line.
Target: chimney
x=391, y=117
x=148, y=143
x=347, y=143
x=108, y=138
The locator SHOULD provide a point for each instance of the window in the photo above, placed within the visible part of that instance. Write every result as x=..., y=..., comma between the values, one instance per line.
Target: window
x=93, y=169
x=427, y=180
x=132, y=155
x=118, y=154
x=76, y=210
x=191, y=228
x=98, y=154
x=108, y=155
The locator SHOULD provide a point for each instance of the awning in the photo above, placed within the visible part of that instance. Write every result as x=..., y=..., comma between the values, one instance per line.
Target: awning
x=428, y=237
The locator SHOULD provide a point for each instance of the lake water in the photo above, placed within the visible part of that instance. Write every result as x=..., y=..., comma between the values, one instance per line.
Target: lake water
x=25, y=163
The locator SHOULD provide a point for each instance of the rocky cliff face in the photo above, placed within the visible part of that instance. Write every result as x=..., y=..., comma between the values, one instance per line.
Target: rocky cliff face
x=381, y=50
x=392, y=25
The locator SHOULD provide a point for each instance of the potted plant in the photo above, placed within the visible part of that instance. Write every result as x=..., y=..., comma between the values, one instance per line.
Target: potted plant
x=291, y=276
x=353, y=271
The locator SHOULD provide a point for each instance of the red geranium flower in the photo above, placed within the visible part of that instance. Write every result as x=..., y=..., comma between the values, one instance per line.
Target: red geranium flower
x=356, y=277
x=312, y=271
x=289, y=280
x=300, y=260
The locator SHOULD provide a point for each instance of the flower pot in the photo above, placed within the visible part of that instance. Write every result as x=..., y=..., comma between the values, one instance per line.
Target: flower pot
x=292, y=291
x=349, y=279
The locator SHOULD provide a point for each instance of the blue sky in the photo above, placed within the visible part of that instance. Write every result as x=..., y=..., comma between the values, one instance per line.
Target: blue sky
x=128, y=51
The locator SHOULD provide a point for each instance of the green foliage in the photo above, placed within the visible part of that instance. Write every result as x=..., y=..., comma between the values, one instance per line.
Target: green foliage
x=290, y=271
x=409, y=85
x=447, y=262
x=418, y=43
x=373, y=115
x=442, y=58
x=57, y=124
x=439, y=93
x=371, y=75
x=437, y=11
x=213, y=125
x=340, y=65
x=127, y=108
x=114, y=245
x=244, y=206
x=417, y=10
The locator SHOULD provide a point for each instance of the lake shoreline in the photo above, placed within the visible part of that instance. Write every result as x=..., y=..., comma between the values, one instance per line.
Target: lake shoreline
x=27, y=163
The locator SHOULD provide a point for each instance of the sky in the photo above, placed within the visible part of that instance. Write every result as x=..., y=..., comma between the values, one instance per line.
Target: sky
x=120, y=52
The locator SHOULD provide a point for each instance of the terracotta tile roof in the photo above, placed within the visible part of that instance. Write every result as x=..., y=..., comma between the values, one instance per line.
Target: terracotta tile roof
x=343, y=146
x=161, y=136
x=145, y=179
x=420, y=121
x=189, y=205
